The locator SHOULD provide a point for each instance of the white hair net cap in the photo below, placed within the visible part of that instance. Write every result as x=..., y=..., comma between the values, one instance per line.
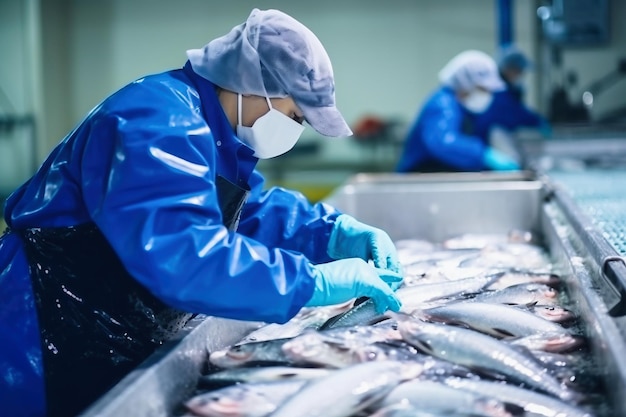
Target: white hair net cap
x=273, y=55
x=471, y=69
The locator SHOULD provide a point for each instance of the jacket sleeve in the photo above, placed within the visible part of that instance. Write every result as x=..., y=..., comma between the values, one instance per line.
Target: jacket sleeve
x=511, y=113
x=442, y=136
x=152, y=193
x=282, y=218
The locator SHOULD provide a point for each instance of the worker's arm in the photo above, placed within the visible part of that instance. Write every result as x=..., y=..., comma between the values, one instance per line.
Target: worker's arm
x=148, y=181
x=285, y=218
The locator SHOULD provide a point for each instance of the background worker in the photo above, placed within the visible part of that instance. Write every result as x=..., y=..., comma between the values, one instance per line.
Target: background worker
x=442, y=137
x=151, y=211
x=507, y=110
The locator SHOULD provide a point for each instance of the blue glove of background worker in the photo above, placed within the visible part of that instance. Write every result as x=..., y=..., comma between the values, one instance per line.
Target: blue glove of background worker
x=340, y=281
x=353, y=239
x=546, y=130
x=499, y=161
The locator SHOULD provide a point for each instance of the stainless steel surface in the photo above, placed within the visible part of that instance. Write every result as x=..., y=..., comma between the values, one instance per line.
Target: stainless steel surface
x=572, y=251
x=433, y=210
x=601, y=196
x=436, y=210
x=158, y=386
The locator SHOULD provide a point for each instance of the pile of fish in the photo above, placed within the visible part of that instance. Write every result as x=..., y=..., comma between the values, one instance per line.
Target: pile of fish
x=484, y=330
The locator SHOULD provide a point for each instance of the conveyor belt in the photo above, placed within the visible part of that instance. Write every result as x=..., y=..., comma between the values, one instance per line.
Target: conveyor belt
x=601, y=195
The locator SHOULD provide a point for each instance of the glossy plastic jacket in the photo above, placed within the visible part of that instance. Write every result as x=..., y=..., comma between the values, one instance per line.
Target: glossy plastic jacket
x=506, y=111
x=142, y=166
x=437, y=135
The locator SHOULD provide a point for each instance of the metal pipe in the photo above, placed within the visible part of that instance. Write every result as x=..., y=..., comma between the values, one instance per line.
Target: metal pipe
x=504, y=23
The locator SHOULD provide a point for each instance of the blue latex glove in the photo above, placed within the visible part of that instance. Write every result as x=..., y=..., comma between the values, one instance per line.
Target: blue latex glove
x=353, y=239
x=340, y=281
x=546, y=130
x=499, y=161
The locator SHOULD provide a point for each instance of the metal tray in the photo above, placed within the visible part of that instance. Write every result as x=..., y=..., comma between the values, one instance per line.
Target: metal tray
x=433, y=210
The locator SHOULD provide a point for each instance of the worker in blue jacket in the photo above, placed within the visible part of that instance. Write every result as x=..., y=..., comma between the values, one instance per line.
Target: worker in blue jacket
x=151, y=211
x=508, y=110
x=442, y=137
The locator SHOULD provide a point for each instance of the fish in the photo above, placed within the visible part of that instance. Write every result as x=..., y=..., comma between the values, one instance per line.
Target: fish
x=520, y=294
x=315, y=349
x=244, y=400
x=511, y=256
x=406, y=409
x=411, y=298
x=498, y=320
x=513, y=277
x=479, y=351
x=482, y=240
x=259, y=374
x=307, y=318
x=555, y=313
x=533, y=403
x=346, y=391
x=557, y=342
x=441, y=398
x=269, y=351
x=344, y=346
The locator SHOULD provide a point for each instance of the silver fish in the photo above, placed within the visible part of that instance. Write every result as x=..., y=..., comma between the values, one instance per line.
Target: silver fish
x=498, y=320
x=511, y=256
x=406, y=409
x=269, y=351
x=411, y=298
x=482, y=240
x=307, y=318
x=243, y=400
x=550, y=342
x=477, y=350
x=346, y=391
x=555, y=313
x=516, y=277
x=534, y=404
x=260, y=374
x=438, y=397
x=521, y=294
x=343, y=347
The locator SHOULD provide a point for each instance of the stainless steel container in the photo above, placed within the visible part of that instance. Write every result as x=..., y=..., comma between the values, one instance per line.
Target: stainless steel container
x=433, y=207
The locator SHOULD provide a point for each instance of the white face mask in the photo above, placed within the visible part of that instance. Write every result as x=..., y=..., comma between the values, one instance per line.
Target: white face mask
x=271, y=135
x=478, y=101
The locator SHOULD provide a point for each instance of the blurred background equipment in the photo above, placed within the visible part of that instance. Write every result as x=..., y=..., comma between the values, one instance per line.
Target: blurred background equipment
x=575, y=26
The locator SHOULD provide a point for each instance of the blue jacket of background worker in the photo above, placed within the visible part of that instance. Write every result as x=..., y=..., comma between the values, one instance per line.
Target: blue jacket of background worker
x=437, y=139
x=507, y=111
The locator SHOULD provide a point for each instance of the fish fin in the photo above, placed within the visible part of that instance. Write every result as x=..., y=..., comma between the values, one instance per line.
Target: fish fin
x=360, y=300
x=493, y=277
x=502, y=333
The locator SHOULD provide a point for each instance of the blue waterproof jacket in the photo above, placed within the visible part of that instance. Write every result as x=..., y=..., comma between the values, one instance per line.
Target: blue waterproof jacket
x=437, y=140
x=142, y=167
x=508, y=112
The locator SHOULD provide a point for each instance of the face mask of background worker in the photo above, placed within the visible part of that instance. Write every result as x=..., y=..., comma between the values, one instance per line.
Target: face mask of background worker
x=477, y=101
x=271, y=135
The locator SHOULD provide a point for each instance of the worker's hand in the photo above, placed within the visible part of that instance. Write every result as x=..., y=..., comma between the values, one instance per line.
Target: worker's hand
x=340, y=281
x=499, y=161
x=546, y=130
x=353, y=239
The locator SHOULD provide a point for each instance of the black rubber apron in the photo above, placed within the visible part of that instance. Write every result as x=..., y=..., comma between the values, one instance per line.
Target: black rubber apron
x=97, y=323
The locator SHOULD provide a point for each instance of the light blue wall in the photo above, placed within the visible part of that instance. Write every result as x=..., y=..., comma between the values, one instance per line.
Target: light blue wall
x=386, y=54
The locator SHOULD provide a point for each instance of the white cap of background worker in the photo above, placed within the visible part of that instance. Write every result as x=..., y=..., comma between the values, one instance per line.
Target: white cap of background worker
x=273, y=55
